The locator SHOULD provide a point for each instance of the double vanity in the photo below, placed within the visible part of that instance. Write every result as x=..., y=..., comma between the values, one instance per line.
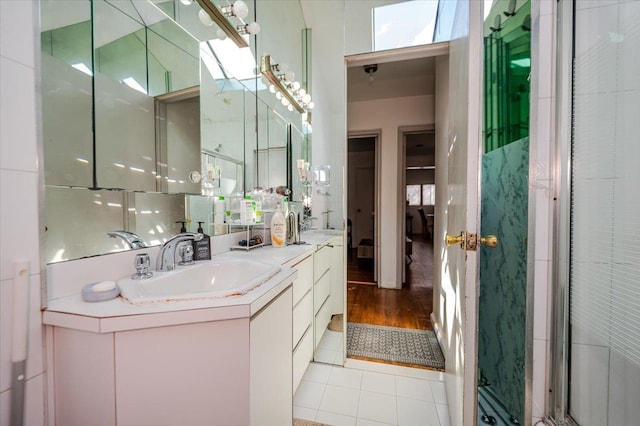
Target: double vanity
x=186, y=347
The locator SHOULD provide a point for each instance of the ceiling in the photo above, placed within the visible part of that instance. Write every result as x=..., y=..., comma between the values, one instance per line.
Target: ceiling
x=421, y=144
x=411, y=77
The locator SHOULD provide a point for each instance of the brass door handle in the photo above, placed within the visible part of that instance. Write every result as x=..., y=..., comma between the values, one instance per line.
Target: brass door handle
x=470, y=241
x=489, y=241
x=454, y=239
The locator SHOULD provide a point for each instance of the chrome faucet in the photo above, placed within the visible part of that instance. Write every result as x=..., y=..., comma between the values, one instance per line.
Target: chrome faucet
x=133, y=240
x=305, y=223
x=293, y=227
x=167, y=255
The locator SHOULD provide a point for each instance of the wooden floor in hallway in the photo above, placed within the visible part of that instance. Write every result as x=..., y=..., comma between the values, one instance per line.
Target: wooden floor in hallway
x=409, y=307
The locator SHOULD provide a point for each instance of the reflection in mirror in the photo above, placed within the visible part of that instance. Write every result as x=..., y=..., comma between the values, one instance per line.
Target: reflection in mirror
x=138, y=55
x=70, y=235
x=145, y=66
x=66, y=71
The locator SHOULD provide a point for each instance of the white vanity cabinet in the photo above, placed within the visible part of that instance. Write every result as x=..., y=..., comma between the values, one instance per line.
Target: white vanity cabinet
x=302, y=311
x=228, y=372
x=271, y=363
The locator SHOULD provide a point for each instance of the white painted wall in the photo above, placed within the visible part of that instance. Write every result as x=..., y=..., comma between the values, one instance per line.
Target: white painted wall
x=20, y=192
x=358, y=32
x=388, y=115
x=328, y=146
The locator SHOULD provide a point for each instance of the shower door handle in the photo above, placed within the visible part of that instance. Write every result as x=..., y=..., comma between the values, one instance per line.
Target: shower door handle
x=490, y=241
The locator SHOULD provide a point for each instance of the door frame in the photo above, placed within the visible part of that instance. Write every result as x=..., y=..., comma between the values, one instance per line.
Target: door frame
x=377, y=135
x=557, y=402
x=403, y=131
x=381, y=57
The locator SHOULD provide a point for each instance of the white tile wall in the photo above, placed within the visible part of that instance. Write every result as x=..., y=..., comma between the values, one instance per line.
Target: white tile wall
x=19, y=190
x=17, y=109
x=604, y=367
x=17, y=31
x=542, y=141
x=589, y=402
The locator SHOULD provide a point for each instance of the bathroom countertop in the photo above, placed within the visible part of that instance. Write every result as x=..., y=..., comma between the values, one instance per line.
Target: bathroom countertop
x=120, y=315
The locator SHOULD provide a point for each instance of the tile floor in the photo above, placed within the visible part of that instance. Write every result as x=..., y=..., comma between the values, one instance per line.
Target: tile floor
x=330, y=348
x=371, y=394
x=490, y=410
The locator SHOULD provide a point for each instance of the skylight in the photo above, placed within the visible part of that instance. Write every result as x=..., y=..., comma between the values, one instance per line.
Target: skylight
x=404, y=24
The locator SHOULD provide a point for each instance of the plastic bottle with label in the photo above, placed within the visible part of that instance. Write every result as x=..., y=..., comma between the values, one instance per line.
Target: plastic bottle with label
x=278, y=228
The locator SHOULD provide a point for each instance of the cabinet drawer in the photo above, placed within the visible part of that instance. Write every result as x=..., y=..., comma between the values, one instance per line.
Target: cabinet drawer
x=323, y=317
x=321, y=262
x=302, y=357
x=305, y=279
x=302, y=317
x=321, y=292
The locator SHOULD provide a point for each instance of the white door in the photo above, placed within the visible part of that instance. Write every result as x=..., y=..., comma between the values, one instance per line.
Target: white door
x=459, y=293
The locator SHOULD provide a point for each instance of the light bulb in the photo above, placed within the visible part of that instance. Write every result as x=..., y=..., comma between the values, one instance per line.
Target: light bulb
x=311, y=105
x=253, y=28
x=285, y=101
x=221, y=34
x=290, y=107
x=240, y=9
x=204, y=18
x=301, y=92
x=306, y=98
x=278, y=95
x=272, y=88
x=186, y=2
x=295, y=86
x=290, y=75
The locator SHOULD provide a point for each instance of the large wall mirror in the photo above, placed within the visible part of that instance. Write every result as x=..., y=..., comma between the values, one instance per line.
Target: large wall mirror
x=139, y=94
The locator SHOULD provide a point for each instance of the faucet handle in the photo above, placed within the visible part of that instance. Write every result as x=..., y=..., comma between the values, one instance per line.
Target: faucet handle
x=186, y=253
x=142, y=263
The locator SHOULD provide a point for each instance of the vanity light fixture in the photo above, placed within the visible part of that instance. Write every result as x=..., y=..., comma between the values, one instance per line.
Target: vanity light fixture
x=210, y=14
x=287, y=90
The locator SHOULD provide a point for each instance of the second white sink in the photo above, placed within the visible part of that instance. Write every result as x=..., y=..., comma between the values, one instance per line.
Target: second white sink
x=204, y=280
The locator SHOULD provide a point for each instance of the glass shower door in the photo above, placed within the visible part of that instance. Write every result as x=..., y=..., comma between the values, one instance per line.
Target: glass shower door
x=504, y=213
x=604, y=281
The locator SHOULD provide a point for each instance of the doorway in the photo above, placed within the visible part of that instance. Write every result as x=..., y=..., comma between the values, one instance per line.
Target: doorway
x=361, y=201
x=395, y=301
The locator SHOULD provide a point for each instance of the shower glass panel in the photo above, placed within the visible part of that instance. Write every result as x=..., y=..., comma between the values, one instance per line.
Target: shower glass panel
x=604, y=299
x=504, y=211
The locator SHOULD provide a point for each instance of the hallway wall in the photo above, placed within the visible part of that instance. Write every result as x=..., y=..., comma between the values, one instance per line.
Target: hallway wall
x=388, y=115
x=20, y=191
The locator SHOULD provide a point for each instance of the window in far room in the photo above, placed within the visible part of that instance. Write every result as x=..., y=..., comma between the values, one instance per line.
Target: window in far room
x=421, y=195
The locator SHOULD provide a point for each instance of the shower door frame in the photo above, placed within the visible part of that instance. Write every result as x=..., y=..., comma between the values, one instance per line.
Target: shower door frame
x=560, y=336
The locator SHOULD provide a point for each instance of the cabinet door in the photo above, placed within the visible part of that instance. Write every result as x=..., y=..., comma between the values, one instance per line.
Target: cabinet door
x=321, y=262
x=303, y=283
x=193, y=374
x=83, y=377
x=271, y=363
x=338, y=279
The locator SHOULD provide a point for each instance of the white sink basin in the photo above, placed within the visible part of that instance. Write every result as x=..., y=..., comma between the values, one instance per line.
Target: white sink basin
x=204, y=280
